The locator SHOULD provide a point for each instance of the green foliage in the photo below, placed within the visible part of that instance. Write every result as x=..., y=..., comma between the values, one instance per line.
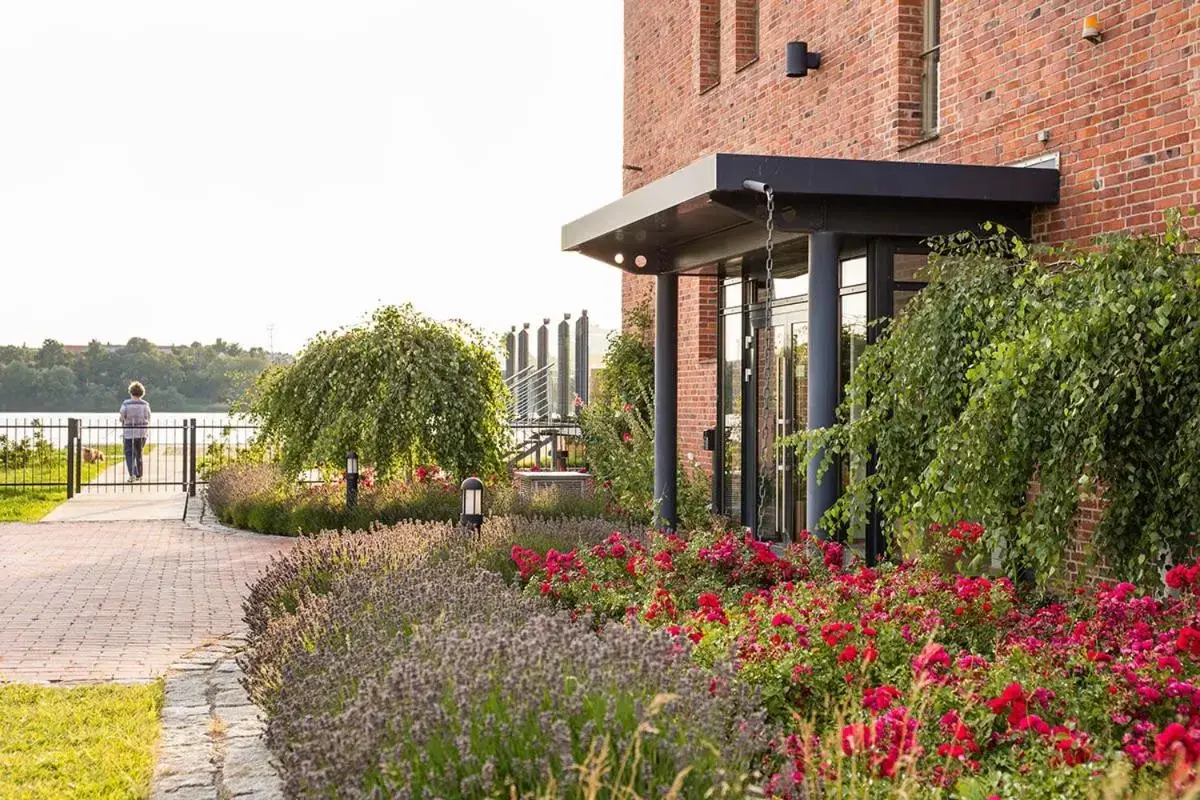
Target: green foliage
x=618, y=430
x=1079, y=369
x=186, y=378
x=401, y=390
x=260, y=498
x=26, y=453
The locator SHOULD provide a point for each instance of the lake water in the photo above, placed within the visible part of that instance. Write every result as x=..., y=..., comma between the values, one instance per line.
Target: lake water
x=99, y=429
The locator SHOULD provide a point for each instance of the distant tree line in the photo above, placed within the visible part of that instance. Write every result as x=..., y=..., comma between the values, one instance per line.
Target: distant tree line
x=192, y=378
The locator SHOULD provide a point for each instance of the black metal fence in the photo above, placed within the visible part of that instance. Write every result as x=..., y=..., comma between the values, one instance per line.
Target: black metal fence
x=87, y=455
x=32, y=451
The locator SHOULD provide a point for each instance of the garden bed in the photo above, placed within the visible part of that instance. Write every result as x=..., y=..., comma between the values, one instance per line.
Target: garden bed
x=406, y=662
x=261, y=498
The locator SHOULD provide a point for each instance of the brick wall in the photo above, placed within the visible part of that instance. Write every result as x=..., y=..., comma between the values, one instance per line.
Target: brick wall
x=1123, y=115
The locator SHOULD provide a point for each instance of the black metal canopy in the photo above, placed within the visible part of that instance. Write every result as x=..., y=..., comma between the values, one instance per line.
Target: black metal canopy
x=693, y=218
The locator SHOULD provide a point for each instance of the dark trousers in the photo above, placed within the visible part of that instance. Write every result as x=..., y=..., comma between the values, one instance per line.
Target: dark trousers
x=133, y=456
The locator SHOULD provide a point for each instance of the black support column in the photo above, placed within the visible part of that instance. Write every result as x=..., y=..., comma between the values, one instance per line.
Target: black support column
x=666, y=332
x=823, y=378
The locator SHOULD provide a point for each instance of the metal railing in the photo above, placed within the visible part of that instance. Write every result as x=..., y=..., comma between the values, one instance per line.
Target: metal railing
x=85, y=455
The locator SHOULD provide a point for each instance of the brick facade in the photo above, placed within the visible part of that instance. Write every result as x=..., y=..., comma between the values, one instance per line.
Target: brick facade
x=1123, y=114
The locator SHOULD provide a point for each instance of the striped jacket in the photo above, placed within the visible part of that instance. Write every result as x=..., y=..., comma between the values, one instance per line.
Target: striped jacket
x=135, y=416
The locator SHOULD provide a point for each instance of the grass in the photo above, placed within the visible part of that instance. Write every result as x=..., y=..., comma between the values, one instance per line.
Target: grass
x=31, y=503
x=85, y=742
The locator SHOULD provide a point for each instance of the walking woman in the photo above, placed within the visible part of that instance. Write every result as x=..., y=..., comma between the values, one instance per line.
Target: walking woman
x=135, y=417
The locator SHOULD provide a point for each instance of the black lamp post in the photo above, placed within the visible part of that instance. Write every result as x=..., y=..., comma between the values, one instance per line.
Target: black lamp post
x=351, y=479
x=472, y=504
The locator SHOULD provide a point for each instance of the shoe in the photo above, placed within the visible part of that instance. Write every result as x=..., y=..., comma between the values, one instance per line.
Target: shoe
x=130, y=479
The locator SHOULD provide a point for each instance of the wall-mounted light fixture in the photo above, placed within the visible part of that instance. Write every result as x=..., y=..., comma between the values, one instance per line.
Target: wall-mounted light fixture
x=800, y=60
x=1091, y=29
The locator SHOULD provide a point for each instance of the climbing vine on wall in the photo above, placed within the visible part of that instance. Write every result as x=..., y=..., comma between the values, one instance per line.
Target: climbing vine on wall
x=1077, y=369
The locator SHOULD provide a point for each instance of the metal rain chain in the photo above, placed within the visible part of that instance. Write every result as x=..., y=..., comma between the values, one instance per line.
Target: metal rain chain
x=765, y=443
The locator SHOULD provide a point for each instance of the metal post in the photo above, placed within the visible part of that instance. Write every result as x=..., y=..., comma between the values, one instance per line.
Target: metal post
x=183, y=477
x=77, y=455
x=666, y=323
x=582, y=371
x=72, y=432
x=823, y=380
x=351, y=479
x=541, y=390
x=564, y=367
x=523, y=376
x=510, y=353
x=191, y=477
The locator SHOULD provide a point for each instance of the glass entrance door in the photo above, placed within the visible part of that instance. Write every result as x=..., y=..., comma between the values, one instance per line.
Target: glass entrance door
x=779, y=489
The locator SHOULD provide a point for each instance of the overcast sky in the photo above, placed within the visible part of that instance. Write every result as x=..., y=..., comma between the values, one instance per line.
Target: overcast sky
x=185, y=171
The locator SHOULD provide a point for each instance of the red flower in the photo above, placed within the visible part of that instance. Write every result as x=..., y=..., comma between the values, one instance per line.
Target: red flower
x=709, y=600
x=782, y=619
x=1188, y=642
x=1176, y=742
x=881, y=698
x=1011, y=699
x=850, y=653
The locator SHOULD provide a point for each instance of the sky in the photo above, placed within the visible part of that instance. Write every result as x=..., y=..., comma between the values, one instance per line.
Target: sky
x=186, y=171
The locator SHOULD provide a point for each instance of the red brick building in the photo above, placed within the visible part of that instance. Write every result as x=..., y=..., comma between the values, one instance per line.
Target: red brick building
x=921, y=117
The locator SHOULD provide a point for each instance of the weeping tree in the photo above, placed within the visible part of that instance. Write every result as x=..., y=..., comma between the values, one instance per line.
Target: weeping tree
x=402, y=390
x=1074, y=372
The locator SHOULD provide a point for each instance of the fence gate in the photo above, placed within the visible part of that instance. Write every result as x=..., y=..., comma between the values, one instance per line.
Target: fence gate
x=88, y=455
x=99, y=457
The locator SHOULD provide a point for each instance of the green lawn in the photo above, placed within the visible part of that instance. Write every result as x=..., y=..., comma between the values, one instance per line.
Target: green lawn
x=29, y=503
x=84, y=742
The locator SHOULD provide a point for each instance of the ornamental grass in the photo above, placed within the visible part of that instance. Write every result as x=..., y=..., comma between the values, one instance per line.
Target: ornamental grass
x=393, y=664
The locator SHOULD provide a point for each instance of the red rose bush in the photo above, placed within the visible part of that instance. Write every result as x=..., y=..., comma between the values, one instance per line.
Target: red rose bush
x=907, y=674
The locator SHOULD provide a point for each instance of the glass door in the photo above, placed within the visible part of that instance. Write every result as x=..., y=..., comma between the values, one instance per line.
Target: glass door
x=779, y=490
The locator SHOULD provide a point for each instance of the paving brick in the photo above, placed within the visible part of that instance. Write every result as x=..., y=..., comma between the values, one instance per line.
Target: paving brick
x=119, y=601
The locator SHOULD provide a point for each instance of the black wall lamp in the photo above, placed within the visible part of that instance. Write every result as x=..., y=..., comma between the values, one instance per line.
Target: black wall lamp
x=800, y=60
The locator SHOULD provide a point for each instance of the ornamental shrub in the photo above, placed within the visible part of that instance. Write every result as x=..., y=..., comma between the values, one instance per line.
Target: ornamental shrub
x=401, y=390
x=1080, y=369
x=398, y=674
x=260, y=498
x=618, y=430
x=906, y=680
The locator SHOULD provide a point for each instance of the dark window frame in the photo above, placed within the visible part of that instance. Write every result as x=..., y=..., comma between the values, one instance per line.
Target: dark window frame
x=930, y=57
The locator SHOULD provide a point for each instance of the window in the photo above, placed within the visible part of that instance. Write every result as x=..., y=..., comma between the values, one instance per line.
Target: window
x=930, y=51
x=729, y=415
x=745, y=33
x=708, y=48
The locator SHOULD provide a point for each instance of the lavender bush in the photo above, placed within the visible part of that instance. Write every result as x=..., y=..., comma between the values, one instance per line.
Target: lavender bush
x=410, y=671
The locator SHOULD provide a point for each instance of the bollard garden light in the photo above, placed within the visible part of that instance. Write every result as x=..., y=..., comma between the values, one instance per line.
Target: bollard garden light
x=351, y=479
x=472, y=504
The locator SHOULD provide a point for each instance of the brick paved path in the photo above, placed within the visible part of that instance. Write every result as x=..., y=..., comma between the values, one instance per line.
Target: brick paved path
x=121, y=600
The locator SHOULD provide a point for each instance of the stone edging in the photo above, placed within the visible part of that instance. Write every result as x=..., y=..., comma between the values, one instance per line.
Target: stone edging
x=212, y=735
